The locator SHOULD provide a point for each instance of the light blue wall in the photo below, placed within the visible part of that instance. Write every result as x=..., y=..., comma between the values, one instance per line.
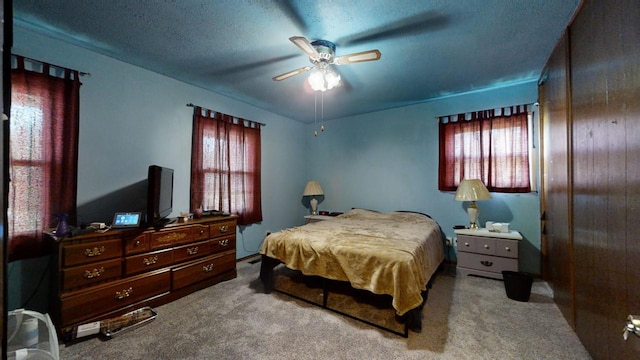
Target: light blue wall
x=388, y=161
x=131, y=118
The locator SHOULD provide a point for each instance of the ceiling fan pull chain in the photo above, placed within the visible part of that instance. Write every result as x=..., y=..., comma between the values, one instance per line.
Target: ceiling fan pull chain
x=315, y=114
x=322, y=111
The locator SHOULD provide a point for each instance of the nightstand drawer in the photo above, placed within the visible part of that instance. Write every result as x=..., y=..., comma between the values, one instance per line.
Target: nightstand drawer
x=477, y=244
x=507, y=248
x=466, y=243
x=487, y=263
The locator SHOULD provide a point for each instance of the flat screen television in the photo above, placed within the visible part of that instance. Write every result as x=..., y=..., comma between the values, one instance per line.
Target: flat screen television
x=159, y=195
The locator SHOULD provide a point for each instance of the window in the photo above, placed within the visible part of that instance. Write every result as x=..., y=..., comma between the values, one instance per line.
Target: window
x=492, y=148
x=225, y=168
x=43, y=147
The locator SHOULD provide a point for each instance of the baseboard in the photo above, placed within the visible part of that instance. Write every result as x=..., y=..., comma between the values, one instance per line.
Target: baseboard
x=247, y=258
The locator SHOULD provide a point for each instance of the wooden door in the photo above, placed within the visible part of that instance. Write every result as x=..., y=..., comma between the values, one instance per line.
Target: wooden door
x=556, y=184
x=5, y=97
x=605, y=105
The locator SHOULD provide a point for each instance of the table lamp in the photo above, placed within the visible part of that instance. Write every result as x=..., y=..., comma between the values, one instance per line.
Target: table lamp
x=312, y=189
x=472, y=190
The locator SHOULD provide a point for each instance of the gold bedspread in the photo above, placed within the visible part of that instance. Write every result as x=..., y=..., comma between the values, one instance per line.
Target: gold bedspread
x=392, y=253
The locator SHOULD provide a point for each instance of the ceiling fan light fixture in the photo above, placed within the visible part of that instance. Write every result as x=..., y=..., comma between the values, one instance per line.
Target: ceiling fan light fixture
x=323, y=79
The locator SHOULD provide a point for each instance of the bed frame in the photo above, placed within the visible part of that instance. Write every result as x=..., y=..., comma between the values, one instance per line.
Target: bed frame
x=412, y=319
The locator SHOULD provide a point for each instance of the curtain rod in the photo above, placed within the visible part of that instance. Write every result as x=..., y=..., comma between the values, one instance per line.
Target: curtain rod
x=261, y=124
x=81, y=73
x=501, y=107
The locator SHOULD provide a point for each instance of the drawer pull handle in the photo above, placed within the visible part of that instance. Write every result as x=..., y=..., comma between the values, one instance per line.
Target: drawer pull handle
x=192, y=251
x=201, y=232
x=124, y=293
x=96, y=251
x=507, y=248
x=224, y=242
x=223, y=228
x=207, y=268
x=137, y=242
x=150, y=261
x=486, y=246
x=90, y=274
x=486, y=263
x=466, y=244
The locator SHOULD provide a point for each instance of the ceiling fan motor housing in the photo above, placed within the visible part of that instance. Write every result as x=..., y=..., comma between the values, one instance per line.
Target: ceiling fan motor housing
x=326, y=49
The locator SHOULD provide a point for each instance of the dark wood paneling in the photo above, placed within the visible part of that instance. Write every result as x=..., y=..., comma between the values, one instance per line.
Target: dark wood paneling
x=605, y=73
x=6, y=34
x=556, y=179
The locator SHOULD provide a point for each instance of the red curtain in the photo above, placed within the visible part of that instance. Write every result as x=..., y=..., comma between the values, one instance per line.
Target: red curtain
x=492, y=148
x=43, y=155
x=225, y=167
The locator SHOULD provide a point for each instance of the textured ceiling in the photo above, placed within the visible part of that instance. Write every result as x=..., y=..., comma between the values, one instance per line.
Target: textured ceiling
x=430, y=49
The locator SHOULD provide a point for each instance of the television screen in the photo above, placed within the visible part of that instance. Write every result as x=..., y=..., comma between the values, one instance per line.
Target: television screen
x=160, y=194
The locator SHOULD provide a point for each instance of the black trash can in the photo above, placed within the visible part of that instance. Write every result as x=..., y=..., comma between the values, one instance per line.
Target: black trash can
x=517, y=285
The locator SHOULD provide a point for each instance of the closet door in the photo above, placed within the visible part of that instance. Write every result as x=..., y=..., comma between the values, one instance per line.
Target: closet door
x=605, y=78
x=556, y=194
x=5, y=96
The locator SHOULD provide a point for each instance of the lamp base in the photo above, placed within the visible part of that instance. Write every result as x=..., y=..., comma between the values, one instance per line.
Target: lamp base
x=473, y=212
x=314, y=206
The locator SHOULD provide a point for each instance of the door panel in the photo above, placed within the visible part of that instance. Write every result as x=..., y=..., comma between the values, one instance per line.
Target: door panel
x=556, y=175
x=605, y=73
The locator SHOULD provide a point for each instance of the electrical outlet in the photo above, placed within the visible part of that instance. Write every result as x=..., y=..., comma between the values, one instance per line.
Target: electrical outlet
x=449, y=242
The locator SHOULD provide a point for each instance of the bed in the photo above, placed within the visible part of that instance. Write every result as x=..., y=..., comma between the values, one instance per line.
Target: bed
x=393, y=253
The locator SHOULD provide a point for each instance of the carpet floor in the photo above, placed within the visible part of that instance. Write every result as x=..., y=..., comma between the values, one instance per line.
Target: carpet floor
x=464, y=318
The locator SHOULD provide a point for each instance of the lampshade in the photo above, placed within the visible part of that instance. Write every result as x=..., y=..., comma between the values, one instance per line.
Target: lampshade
x=312, y=188
x=472, y=190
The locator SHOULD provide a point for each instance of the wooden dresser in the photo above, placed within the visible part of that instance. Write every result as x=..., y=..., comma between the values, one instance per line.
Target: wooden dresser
x=486, y=253
x=103, y=275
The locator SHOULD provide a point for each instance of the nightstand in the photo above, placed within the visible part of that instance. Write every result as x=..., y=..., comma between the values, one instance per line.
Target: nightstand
x=316, y=218
x=487, y=253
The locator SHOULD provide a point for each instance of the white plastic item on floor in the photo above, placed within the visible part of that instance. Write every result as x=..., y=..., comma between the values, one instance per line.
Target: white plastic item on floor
x=31, y=336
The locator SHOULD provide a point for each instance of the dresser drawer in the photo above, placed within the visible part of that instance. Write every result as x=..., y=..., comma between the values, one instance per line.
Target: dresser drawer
x=200, y=232
x=90, y=274
x=91, y=252
x=84, y=304
x=137, y=244
x=494, y=264
x=166, y=238
x=223, y=244
x=191, y=251
x=222, y=228
x=203, y=269
x=148, y=261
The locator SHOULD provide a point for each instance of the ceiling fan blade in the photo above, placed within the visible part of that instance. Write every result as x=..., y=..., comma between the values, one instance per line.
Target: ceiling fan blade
x=291, y=73
x=305, y=46
x=413, y=25
x=370, y=55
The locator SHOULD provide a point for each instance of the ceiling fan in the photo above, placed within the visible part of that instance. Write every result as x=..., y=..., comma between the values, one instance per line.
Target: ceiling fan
x=322, y=54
